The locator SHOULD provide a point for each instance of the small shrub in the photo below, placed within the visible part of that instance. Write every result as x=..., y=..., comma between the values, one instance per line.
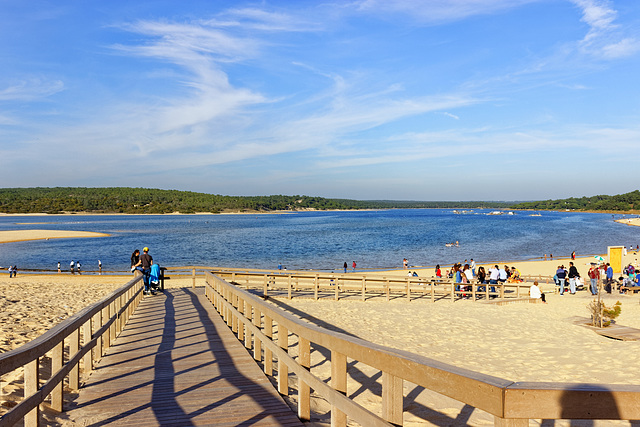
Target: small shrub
x=599, y=311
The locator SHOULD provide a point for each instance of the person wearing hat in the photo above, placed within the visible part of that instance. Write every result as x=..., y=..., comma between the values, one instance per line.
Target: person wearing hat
x=146, y=261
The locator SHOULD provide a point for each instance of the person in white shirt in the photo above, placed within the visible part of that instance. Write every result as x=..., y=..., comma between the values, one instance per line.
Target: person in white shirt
x=535, y=292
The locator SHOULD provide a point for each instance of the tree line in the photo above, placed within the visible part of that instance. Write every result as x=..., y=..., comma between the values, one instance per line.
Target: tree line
x=128, y=200
x=627, y=202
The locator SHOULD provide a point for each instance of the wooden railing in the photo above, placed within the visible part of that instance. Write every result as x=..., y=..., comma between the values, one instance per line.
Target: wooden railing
x=93, y=328
x=265, y=331
x=338, y=286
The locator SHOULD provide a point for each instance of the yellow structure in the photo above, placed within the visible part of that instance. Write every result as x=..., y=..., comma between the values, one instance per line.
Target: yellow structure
x=615, y=258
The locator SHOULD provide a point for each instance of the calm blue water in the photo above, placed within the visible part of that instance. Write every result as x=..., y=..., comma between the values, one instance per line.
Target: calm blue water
x=315, y=240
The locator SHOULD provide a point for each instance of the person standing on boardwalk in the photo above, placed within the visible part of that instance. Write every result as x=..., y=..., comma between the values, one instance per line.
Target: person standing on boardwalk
x=146, y=261
x=135, y=258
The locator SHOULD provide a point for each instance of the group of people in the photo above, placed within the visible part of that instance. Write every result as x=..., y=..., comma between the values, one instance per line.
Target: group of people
x=575, y=282
x=353, y=266
x=150, y=271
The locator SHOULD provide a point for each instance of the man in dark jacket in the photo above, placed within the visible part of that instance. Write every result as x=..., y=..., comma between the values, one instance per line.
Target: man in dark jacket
x=146, y=261
x=573, y=277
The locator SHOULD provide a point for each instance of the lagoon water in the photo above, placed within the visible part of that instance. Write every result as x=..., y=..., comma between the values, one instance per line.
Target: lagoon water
x=315, y=240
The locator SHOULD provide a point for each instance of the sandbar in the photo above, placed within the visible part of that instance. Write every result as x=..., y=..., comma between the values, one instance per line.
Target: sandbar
x=7, y=236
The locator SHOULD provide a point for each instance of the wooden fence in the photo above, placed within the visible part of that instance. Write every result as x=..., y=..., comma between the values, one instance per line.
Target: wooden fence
x=336, y=286
x=265, y=331
x=84, y=337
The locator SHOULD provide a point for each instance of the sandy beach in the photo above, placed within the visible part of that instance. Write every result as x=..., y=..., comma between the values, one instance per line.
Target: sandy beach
x=518, y=342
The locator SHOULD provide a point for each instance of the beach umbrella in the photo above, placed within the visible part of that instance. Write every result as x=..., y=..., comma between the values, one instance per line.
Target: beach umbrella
x=599, y=258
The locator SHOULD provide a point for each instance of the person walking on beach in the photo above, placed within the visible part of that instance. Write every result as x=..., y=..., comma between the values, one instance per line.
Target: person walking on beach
x=10, y=271
x=71, y=267
x=99, y=266
x=405, y=264
x=573, y=277
x=573, y=255
x=473, y=267
x=345, y=266
x=145, y=261
x=78, y=267
x=561, y=274
x=353, y=266
x=438, y=271
x=59, y=271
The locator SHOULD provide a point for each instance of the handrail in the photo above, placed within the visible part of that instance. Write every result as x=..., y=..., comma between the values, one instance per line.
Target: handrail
x=98, y=325
x=364, y=285
x=511, y=403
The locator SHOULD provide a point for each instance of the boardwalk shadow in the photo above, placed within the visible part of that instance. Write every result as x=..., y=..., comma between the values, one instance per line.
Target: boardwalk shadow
x=372, y=382
x=180, y=374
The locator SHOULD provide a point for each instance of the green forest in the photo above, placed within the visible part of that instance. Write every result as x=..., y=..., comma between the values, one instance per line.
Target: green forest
x=627, y=202
x=154, y=201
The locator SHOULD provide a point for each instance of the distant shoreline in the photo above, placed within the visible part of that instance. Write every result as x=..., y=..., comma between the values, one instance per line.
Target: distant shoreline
x=284, y=212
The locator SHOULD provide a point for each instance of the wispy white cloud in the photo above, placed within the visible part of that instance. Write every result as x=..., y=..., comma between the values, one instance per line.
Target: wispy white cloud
x=437, y=11
x=30, y=89
x=605, y=39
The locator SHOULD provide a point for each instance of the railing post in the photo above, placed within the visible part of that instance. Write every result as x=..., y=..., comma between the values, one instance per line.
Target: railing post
x=304, y=391
x=289, y=287
x=97, y=354
x=387, y=286
x=364, y=287
x=265, y=285
x=283, y=370
x=112, y=329
x=56, y=365
x=31, y=384
x=315, y=287
x=240, y=322
x=106, y=341
x=339, y=383
x=248, y=313
x=268, y=354
x=235, y=321
x=74, y=346
x=392, y=405
x=193, y=277
x=87, y=335
x=257, y=344
x=335, y=283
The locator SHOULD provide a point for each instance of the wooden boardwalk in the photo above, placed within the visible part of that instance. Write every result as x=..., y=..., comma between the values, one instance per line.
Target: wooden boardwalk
x=177, y=364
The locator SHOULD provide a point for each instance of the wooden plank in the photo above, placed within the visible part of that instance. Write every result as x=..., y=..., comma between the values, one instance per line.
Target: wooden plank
x=177, y=363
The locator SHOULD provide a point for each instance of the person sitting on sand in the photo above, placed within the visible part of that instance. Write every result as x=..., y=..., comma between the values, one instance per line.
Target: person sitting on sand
x=535, y=292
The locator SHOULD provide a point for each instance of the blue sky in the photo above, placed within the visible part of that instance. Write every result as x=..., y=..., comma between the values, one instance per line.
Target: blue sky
x=370, y=99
